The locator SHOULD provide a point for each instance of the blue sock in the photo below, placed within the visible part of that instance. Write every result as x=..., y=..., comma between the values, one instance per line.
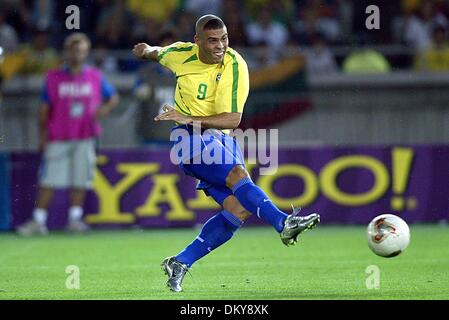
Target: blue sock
x=216, y=231
x=257, y=202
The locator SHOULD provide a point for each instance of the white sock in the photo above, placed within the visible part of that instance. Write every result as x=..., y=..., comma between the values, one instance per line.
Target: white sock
x=40, y=216
x=75, y=213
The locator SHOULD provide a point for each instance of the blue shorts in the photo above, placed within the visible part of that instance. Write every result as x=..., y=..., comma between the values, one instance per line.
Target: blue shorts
x=209, y=156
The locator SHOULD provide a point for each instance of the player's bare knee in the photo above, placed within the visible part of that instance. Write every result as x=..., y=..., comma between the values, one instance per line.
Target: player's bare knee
x=232, y=205
x=243, y=215
x=235, y=175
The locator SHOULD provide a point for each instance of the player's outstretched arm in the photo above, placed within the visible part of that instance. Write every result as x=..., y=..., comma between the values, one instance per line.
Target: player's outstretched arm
x=146, y=52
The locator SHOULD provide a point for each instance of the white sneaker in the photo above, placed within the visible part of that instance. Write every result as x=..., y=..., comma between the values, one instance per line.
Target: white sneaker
x=77, y=226
x=31, y=227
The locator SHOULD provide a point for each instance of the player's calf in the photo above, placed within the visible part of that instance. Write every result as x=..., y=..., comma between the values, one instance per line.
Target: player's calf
x=233, y=205
x=257, y=202
x=254, y=199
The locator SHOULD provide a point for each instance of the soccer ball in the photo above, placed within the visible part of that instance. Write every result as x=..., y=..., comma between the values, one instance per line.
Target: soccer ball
x=388, y=235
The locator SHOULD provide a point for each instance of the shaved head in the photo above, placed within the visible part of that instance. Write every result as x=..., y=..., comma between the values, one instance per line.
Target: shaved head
x=208, y=22
x=212, y=39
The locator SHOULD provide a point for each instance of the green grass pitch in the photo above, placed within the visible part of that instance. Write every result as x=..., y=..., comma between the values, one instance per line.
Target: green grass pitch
x=330, y=262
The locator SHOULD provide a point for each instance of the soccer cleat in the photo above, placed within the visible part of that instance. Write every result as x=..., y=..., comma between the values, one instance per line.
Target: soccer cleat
x=77, y=226
x=32, y=228
x=175, y=271
x=294, y=225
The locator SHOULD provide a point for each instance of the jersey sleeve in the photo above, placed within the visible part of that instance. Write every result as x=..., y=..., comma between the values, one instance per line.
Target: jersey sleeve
x=168, y=56
x=107, y=90
x=44, y=96
x=233, y=88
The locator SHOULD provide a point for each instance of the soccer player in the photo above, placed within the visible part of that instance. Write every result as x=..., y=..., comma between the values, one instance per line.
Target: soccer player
x=212, y=88
x=75, y=96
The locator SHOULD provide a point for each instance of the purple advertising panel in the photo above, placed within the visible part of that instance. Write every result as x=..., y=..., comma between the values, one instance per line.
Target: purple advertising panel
x=142, y=188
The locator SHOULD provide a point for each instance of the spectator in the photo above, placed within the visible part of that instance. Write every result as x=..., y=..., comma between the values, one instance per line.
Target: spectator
x=104, y=60
x=418, y=28
x=399, y=23
x=202, y=7
x=42, y=14
x=91, y=14
x=365, y=60
x=159, y=11
x=72, y=103
x=184, y=28
x=9, y=39
x=283, y=11
x=345, y=12
x=436, y=56
x=39, y=57
x=410, y=6
x=317, y=17
x=319, y=58
x=269, y=34
x=115, y=25
x=442, y=6
x=148, y=30
x=234, y=22
x=18, y=15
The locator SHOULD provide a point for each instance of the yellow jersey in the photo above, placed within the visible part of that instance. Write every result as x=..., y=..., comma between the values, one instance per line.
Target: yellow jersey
x=206, y=89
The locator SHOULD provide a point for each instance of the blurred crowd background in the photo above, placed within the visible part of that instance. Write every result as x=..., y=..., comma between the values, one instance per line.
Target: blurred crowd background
x=331, y=34
x=308, y=62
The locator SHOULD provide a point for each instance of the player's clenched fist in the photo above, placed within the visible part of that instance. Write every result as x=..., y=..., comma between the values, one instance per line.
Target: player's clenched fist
x=141, y=50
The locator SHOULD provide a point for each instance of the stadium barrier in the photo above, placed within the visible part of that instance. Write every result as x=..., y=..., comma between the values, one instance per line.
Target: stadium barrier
x=5, y=205
x=142, y=188
x=396, y=108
